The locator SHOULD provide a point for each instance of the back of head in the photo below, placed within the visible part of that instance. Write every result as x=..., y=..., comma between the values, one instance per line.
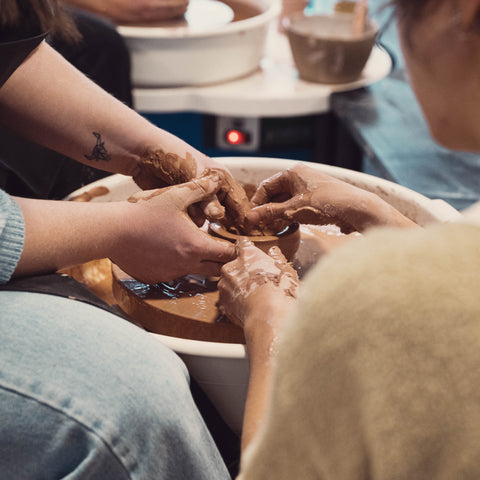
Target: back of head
x=23, y=18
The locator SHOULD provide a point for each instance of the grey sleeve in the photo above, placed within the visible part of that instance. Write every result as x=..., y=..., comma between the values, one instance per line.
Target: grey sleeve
x=12, y=236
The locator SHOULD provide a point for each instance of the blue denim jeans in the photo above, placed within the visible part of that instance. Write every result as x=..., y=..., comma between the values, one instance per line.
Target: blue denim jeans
x=85, y=394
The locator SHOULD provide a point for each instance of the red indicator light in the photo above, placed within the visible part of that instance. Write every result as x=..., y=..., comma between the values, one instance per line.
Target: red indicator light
x=236, y=137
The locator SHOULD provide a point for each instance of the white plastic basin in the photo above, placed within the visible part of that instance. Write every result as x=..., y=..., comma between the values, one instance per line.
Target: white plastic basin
x=221, y=369
x=166, y=57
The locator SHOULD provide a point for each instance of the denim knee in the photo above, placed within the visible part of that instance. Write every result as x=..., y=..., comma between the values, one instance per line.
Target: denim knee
x=122, y=397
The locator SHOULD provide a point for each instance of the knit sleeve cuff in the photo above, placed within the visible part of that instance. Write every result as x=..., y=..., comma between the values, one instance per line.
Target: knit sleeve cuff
x=12, y=236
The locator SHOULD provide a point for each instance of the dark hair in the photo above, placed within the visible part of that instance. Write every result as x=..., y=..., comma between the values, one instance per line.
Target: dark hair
x=411, y=10
x=38, y=16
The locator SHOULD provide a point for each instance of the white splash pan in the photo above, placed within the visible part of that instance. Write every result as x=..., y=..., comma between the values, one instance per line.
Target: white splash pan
x=222, y=369
x=167, y=57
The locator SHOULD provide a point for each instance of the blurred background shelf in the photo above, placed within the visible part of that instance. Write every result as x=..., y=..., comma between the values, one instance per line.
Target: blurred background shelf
x=374, y=125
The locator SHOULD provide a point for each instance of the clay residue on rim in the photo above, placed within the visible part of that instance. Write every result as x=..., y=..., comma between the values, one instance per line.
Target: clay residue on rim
x=90, y=194
x=158, y=168
x=241, y=11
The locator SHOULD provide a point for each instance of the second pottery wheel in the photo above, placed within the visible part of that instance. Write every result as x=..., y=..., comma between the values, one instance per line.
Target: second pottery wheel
x=207, y=46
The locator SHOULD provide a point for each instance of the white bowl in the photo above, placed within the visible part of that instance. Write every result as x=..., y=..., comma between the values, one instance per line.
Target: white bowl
x=221, y=369
x=166, y=57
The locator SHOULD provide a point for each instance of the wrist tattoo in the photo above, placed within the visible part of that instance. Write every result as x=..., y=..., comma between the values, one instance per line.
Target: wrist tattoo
x=99, y=151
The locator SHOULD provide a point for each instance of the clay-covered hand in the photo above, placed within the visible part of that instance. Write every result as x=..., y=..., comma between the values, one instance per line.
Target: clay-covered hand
x=160, y=242
x=158, y=169
x=138, y=11
x=256, y=285
x=302, y=194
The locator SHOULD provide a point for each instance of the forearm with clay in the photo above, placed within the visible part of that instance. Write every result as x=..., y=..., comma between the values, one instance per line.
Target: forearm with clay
x=358, y=210
x=303, y=194
x=50, y=102
x=135, y=235
x=257, y=292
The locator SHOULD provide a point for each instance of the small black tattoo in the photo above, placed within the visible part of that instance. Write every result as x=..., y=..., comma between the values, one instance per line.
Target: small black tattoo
x=99, y=151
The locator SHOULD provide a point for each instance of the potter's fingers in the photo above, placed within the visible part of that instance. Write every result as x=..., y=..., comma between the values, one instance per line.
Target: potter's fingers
x=213, y=209
x=222, y=286
x=243, y=242
x=144, y=195
x=287, y=271
x=277, y=254
x=269, y=188
x=267, y=213
x=244, y=247
x=249, y=256
x=235, y=200
x=217, y=250
x=197, y=188
x=200, y=189
x=230, y=269
x=227, y=272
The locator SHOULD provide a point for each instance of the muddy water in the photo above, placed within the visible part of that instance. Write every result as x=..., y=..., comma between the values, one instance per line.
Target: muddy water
x=241, y=11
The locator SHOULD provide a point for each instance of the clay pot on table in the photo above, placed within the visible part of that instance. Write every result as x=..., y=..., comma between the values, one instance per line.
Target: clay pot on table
x=326, y=49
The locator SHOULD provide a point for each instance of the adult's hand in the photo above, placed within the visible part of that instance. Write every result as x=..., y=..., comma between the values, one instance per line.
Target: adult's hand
x=151, y=238
x=255, y=276
x=158, y=168
x=302, y=194
x=137, y=11
x=257, y=292
x=161, y=242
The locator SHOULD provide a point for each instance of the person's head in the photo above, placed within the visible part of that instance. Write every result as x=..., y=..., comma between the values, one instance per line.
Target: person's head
x=38, y=16
x=441, y=44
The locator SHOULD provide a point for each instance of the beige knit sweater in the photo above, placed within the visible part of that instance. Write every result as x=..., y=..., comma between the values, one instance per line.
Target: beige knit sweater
x=379, y=369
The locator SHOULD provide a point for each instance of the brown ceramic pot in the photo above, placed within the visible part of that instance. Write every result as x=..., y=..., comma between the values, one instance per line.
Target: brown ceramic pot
x=288, y=240
x=324, y=48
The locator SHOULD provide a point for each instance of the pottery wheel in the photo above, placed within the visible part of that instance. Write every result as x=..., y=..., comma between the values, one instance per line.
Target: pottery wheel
x=184, y=308
x=187, y=307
